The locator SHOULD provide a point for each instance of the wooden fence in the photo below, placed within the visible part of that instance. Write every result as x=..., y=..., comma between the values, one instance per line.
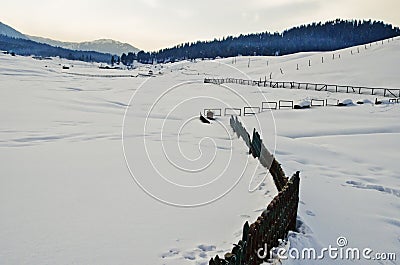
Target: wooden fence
x=233, y=111
x=276, y=220
x=286, y=104
x=273, y=224
x=251, y=110
x=390, y=92
x=269, y=105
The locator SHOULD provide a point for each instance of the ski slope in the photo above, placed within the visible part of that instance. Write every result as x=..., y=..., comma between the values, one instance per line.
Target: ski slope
x=119, y=170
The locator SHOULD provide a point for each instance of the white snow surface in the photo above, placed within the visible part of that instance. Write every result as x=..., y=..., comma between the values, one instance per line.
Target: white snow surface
x=119, y=170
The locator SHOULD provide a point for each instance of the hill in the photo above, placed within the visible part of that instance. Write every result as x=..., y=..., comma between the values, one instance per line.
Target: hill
x=68, y=196
x=27, y=47
x=101, y=45
x=328, y=36
x=10, y=32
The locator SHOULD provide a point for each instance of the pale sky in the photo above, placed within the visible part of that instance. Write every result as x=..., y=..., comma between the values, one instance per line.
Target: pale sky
x=156, y=24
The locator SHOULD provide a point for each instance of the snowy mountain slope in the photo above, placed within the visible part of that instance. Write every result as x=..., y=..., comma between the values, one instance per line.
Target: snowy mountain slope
x=10, y=32
x=101, y=45
x=71, y=191
x=374, y=59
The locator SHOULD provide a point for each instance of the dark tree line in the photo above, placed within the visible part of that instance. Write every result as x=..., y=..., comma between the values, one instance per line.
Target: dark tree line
x=328, y=36
x=128, y=59
x=28, y=47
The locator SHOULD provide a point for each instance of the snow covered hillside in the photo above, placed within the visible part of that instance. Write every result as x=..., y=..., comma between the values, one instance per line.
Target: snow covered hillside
x=101, y=45
x=102, y=168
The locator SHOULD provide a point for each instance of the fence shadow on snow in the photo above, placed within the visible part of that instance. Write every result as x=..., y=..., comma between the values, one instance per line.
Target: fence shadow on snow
x=276, y=220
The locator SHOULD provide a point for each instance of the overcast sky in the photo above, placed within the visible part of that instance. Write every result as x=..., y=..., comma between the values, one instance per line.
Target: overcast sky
x=155, y=24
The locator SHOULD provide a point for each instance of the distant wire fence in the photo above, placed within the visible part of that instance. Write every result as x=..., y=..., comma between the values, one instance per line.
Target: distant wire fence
x=290, y=104
x=283, y=104
x=275, y=221
x=276, y=105
x=251, y=110
x=386, y=92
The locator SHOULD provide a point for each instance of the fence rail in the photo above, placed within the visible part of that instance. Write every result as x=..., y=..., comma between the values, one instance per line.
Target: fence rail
x=267, y=105
x=286, y=104
x=251, y=110
x=236, y=111
x=317, y=102
x=328, y=102
x=390, y=92
x=216, y=111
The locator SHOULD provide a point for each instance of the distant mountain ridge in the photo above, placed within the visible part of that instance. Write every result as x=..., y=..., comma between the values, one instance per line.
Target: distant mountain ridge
x=101, y=45
x=27, y=47
x=10, y=32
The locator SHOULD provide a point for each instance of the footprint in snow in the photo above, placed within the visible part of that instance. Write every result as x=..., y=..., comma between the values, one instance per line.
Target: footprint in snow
x=357, y=184
x=171, y=253
x=310, y=213
x=189, y=255
x=205, y=248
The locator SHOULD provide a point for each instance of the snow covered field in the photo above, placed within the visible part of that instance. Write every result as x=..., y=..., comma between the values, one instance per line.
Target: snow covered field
x=175, y=191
